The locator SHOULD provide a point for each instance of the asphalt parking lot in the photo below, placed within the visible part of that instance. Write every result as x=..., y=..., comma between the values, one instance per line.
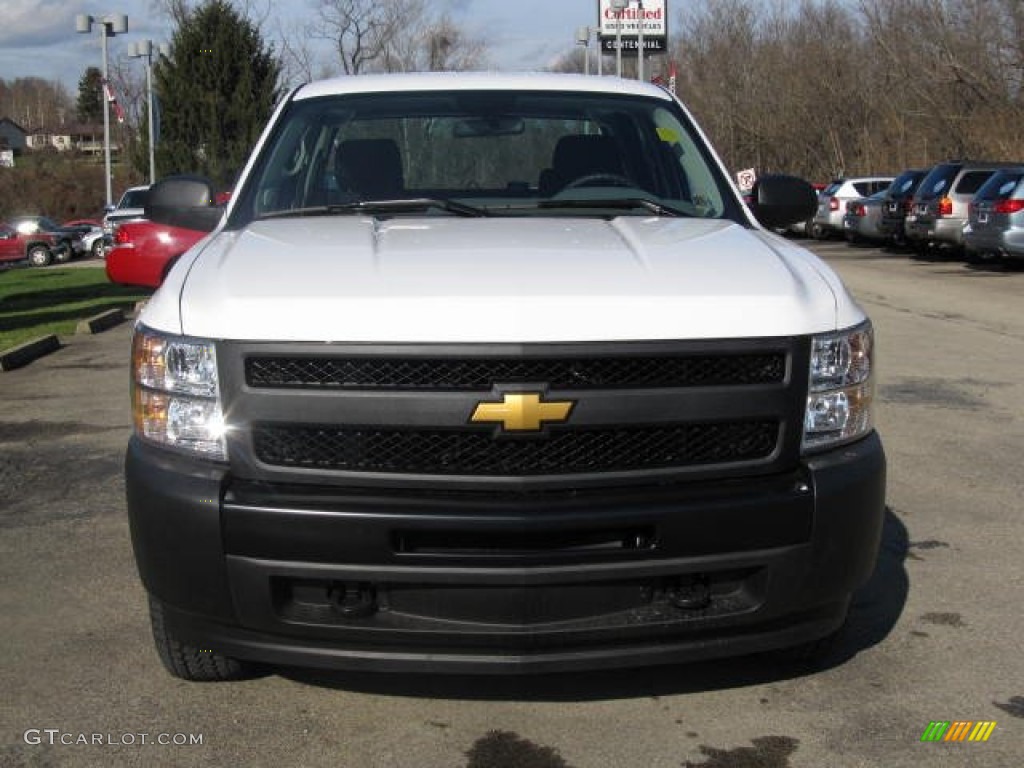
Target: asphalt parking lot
x=935, y=636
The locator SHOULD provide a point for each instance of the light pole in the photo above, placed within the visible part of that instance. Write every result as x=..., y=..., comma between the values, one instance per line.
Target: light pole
x=583, y=38
x=640, y=43
x=112, y=24
x=144, y=50
x=619, y=6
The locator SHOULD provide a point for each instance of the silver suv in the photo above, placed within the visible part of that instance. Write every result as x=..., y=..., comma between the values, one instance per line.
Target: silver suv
x=828, y=220
x=938, y=211
x=995, y=226
x=132, y=205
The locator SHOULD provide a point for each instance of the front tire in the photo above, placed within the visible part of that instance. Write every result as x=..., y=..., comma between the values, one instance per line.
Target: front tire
x=39, y=256
x=187, y=662
x=63, y=254
x=97, y=248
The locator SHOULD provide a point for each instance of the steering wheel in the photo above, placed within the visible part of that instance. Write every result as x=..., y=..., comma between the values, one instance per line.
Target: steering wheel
x=606, y=179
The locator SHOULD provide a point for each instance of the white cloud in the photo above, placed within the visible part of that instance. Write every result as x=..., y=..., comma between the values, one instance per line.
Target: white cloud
x=34, y=23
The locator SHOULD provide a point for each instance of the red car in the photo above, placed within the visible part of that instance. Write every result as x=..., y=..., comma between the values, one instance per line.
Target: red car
x=39, y=248
x=143, y=251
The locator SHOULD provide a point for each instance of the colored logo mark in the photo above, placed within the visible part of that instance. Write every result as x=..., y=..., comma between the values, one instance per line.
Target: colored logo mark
x=958, y=730
x=522, y=411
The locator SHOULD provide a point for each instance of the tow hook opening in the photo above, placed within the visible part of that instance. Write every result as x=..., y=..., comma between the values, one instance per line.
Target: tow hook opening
x=353, y=600
x=691, y=593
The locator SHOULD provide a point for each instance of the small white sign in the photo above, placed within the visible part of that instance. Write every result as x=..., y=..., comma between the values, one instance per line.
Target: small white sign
x=6, y=158
x=745, y=179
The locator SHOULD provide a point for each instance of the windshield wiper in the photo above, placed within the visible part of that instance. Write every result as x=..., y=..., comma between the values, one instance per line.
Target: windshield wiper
x=615, y=202
x=382, y=206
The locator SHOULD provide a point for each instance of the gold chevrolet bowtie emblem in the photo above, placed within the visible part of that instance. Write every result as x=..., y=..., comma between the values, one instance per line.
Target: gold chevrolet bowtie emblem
x=522, y=412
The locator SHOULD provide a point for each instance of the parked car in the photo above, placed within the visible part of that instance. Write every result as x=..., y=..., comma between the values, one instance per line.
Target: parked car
x=995, y=226
x=132, y=205
x=896, y=204
x=828, y=220
x=39, y=248
x=68, y=239
x=93, y=238
x=939, y=207
x=862, y=222
x=144, y=251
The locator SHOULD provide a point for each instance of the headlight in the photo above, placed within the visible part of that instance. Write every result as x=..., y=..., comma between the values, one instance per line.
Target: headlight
x=841, y=388
x=175, y=393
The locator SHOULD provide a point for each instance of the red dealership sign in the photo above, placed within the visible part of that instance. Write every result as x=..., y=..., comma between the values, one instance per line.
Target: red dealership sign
x=653, y=14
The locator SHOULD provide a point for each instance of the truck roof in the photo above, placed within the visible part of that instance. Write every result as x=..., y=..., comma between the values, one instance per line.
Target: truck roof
x=510, y=81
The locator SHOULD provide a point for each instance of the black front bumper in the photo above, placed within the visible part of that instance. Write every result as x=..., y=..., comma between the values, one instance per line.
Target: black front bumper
x=486, y=582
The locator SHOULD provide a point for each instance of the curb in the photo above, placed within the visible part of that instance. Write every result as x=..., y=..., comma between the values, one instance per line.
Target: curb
x=101, y=322
x=23, y=354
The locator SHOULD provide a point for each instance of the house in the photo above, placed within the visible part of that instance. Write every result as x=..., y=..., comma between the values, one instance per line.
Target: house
x=12, y=135
x=78, y=137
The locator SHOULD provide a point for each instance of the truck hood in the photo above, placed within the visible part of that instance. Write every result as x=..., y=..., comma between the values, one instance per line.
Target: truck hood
x=448, y=279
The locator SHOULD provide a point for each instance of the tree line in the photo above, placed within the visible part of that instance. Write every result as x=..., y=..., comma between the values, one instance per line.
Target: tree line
x=822, y=89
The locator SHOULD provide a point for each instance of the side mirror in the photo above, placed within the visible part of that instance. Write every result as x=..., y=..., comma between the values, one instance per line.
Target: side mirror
x=183, y=201
x=778, y=201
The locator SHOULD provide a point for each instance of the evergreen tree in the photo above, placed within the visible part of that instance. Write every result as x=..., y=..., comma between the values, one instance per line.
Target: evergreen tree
x=215, y=91
x=89, y=108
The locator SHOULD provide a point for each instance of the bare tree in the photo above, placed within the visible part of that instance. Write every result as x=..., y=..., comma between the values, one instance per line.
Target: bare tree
x=388, y=36
x=361, y=31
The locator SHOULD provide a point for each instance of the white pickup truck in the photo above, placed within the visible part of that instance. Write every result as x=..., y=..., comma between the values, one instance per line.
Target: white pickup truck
x=496, y=373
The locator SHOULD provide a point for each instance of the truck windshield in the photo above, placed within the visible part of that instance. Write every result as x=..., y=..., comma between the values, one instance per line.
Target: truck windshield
x=502, y=152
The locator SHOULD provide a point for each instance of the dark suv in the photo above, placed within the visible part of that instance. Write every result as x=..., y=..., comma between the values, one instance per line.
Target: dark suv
x=896, y=204
x=939, y=207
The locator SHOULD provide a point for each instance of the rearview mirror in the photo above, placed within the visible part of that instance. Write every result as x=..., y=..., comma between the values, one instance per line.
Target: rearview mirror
x=489, y=125
x=184, y=201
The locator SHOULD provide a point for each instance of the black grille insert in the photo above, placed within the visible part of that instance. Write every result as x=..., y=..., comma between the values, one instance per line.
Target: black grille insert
x=481, y=374
x=466, y=452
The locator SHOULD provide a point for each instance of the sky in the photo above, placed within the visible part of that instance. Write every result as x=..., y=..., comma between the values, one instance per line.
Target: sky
x=38, y=38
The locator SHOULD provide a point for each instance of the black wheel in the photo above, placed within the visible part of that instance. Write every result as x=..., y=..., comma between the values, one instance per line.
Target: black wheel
x=982, y=258
x=187, y=662
x=818, y=232
x=63, y=254
x=97, y=248
x=39, y=256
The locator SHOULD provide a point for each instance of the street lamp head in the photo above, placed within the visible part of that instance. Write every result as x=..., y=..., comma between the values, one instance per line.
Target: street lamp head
x=113, y=24
x=116, y=24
